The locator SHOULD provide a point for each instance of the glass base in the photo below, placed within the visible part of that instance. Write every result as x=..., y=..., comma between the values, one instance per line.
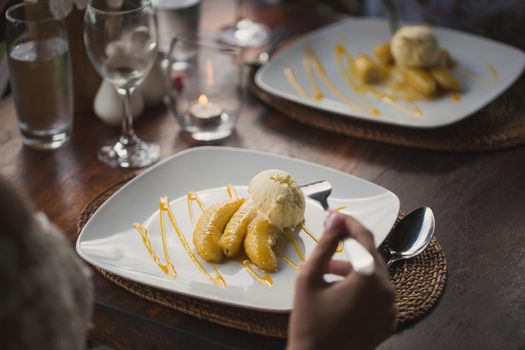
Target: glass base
x=45, y=140
x=246, y=33
x=207, y=136
x=129, y=152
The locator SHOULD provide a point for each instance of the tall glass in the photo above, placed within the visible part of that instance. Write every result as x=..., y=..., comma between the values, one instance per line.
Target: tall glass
x=40, y=74
x=121, y=42
x=245, y=32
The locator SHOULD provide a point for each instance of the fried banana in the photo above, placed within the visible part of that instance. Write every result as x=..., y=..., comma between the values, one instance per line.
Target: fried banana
x=260, y=238
x=235, y=231
x=367, y=70
x=421, y=81
x=210, y=227
x=445, y=79
x=383, y=54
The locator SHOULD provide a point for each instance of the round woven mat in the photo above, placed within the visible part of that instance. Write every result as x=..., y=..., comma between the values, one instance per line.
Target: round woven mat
x=418, y=282
x=501, y=124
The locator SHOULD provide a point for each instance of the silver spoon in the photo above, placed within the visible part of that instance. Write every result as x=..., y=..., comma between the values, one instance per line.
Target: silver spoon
x=360, y=258
x=411, y=235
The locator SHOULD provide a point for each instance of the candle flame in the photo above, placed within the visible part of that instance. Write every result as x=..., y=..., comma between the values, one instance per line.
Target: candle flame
x=203, y=99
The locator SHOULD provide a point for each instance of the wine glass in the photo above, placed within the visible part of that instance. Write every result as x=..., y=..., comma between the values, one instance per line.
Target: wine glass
x=121, y=42
x=245, y=32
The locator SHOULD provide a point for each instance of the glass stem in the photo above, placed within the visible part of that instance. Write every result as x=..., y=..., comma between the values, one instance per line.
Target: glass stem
x=128, y=134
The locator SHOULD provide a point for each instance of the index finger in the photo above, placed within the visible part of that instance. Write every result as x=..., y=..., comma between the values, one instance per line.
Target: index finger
x=313, y=270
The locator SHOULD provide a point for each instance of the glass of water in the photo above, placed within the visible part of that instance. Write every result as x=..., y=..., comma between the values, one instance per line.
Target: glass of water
x=121, y=42
x=40, y=74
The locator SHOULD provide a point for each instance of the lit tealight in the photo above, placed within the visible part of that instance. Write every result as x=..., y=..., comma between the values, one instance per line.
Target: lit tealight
x=205, y=113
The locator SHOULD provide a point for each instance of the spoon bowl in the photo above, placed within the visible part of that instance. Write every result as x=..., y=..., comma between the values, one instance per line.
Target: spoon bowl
x=411, y=235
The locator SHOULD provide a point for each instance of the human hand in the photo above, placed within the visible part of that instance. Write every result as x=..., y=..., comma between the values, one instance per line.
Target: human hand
x=356, y=312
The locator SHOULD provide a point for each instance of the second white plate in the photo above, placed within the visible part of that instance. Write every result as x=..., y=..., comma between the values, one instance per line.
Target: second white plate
x=486, y=69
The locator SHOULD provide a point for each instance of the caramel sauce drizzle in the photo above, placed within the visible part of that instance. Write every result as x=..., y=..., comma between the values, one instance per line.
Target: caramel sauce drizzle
x=310, y=59
x=466, y=73
x=193, y=197
x=231, y=191
x=298, y=251
x=292, y=79
x=290, y=262
x=263, y=277
x=316, y=90
x=218, y=280
x=470, y=76
x=312, y=64
x=342, y=55
x=493, y=71
x=340, y=246
x=167, y=268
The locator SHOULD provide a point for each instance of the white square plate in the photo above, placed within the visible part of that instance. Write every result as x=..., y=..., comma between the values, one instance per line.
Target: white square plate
x=109, y=240
x=476, y=56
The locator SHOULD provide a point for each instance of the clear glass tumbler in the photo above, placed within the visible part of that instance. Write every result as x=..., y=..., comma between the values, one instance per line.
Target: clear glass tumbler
x=40, y=74
x=207, y=92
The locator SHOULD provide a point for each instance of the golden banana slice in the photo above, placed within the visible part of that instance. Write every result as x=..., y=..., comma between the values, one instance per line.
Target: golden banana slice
x=445, y=79
x=235, y=231
x=209, y=229
x=383, y=54
x=421, y=81
x=261, y=236
x=367, y=70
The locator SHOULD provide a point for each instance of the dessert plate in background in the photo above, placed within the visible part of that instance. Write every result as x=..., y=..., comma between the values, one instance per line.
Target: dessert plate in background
x=109, y=240
x=486, y=68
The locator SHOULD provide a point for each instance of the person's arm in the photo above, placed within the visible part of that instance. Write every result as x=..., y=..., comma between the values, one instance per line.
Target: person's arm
x=354, y=313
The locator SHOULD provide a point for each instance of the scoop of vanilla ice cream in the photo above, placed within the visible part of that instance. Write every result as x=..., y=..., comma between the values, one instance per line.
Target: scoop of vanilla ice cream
x=277, y=198
x=415, y=47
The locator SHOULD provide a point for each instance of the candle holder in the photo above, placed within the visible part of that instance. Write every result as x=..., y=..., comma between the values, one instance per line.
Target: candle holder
x=206, y=92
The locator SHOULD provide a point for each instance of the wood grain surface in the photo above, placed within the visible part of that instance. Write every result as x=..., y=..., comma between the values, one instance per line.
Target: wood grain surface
x=478, y=199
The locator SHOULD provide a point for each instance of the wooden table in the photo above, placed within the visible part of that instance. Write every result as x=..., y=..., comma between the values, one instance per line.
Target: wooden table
x=478, y=200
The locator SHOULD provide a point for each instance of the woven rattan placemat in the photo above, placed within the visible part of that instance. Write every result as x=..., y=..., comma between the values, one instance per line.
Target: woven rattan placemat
x=418, y=282
x=501, y=124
